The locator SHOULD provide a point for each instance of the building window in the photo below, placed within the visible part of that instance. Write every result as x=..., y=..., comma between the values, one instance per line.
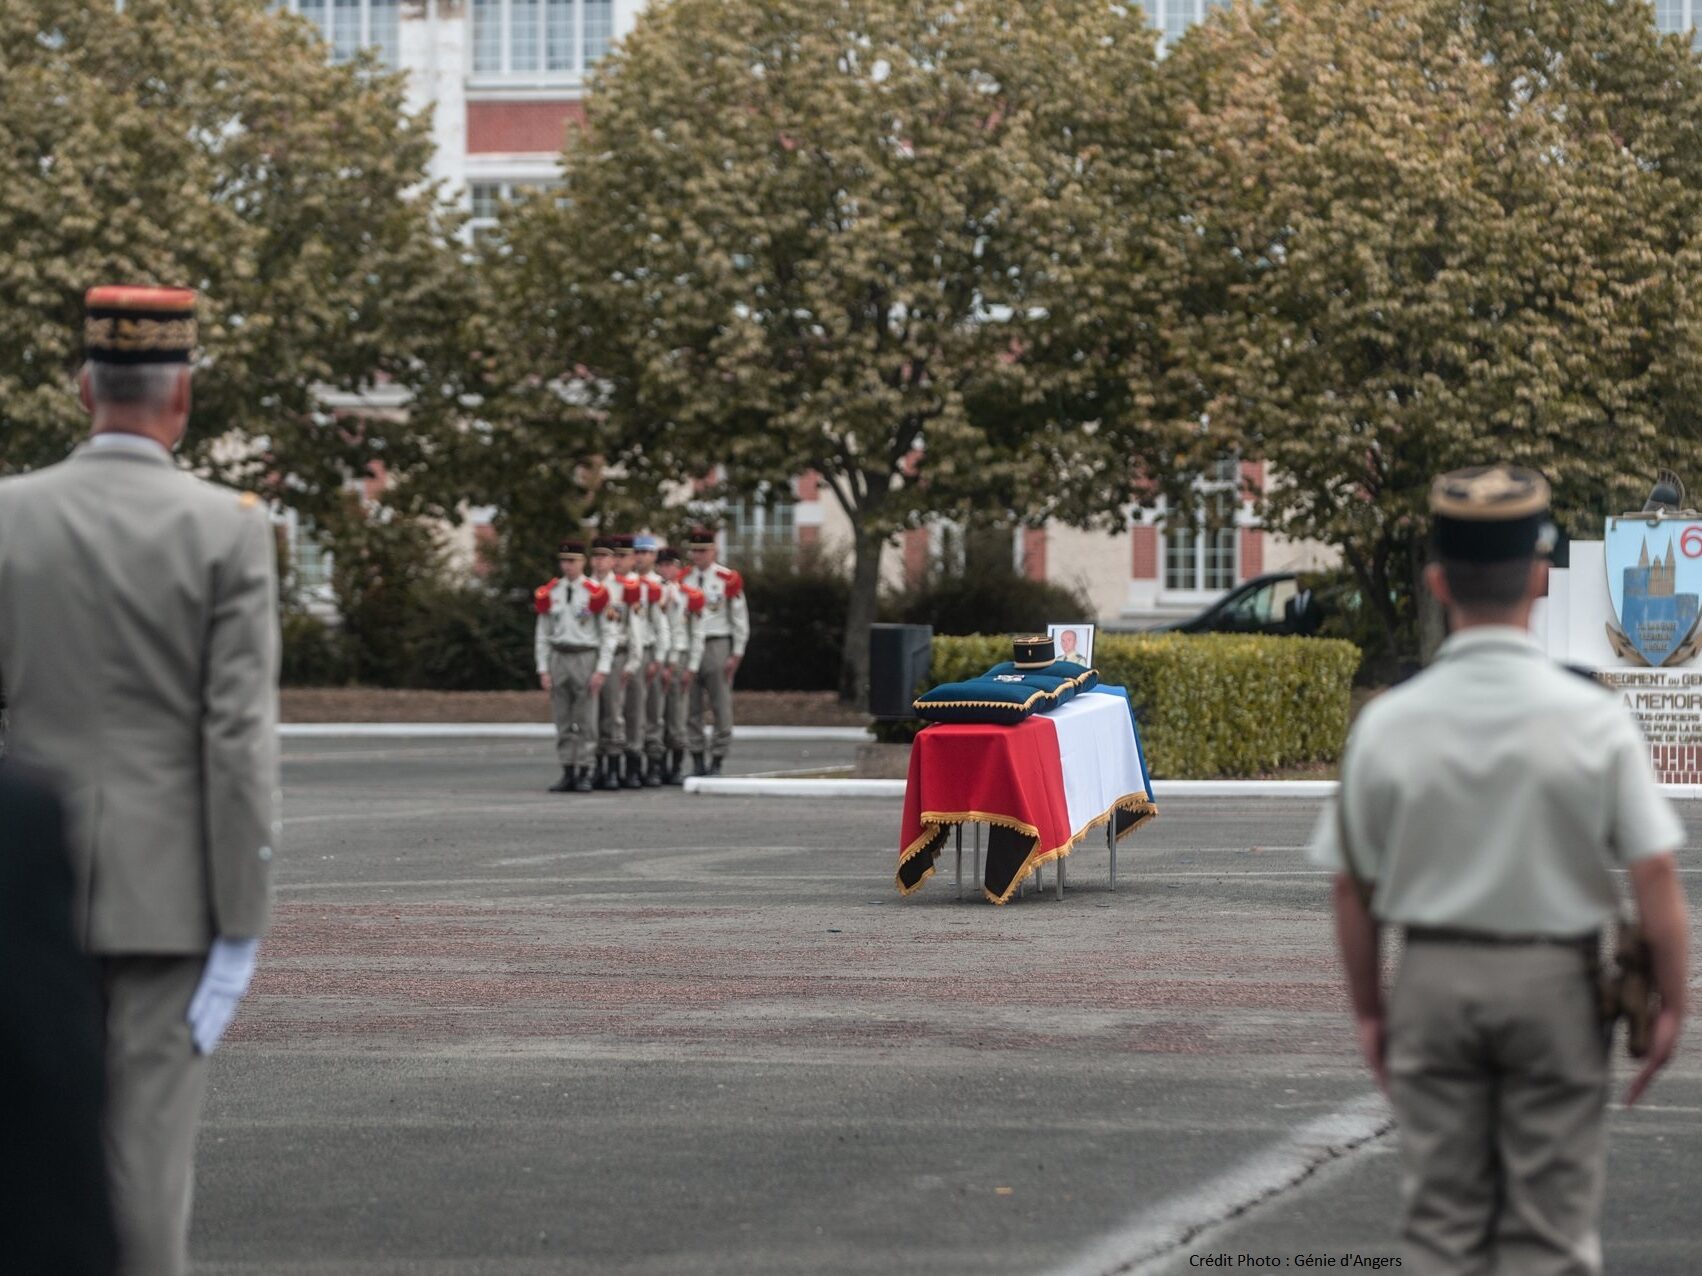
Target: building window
x=761, y=532
x=309, y=561
x=1174, y=17
x=352, y=25
x=486, y=200
x=1200, y=557
x=1679, y=16
x=535, y=39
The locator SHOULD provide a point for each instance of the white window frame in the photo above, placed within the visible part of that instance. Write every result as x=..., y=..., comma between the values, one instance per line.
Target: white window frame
x=508, y=183
x=749, y=540
x=327, y=27
x=1225, y=482
x=1161, y=12
x=1689, y=16
x=505, y=76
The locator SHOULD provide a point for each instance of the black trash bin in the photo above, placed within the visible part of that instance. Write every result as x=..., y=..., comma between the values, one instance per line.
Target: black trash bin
x=900, y=657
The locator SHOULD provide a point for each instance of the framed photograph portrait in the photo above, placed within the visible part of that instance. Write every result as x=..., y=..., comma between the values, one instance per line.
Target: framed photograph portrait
x=1073, y=642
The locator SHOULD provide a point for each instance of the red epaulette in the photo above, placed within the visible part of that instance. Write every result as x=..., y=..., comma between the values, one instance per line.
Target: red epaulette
x=596, y=596
x=654, y=589
x=634, y=590
x=735, y=582
x=694, y=599
x=541, y=597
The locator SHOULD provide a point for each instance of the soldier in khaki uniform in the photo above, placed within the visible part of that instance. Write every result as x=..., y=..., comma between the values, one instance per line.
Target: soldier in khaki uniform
x=658, y=639
x=1484, y=807
x=622, y=645
x=718, y=646
x=684, y=605
x=139, y=652
x=568, y=642
x=635, y=687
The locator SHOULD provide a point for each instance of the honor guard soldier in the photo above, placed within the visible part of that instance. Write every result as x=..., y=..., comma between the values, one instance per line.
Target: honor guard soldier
x=1483, y=809
x=632, y=703
x=622, y=645
x=658, y=638
x=139, y=652
x=568, y=644
x=718, y=645
x=684, y=606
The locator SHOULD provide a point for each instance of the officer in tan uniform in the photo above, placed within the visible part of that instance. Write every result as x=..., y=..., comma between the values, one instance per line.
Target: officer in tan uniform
x=684, y=605
x=622, y=644
x=1485, y=805
x=568, y=643
x=718, y=646
x=139, y=652
x=658, y=639
x=632, y=704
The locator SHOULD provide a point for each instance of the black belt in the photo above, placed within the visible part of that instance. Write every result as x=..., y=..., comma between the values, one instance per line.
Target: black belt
x=562, y=646
x=1457, y=935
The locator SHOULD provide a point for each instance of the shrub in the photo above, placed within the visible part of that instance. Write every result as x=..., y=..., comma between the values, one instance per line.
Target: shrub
x=470, y=639
x=988, y=602
x=313, y=653
x=797, y=628
x=1210, y=704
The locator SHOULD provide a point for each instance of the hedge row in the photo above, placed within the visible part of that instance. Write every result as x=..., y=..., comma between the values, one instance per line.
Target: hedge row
x=1212, y=704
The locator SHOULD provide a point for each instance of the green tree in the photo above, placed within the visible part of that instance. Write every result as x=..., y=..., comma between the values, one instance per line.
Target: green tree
x=210, y=143
x=909, y=246
x=1430, y=233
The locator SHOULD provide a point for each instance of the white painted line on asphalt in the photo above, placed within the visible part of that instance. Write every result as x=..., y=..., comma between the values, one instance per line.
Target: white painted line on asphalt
x=1154, y=1237
x=524, y=731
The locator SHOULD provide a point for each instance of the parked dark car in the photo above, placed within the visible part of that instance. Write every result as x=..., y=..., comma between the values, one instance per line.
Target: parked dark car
x=1275, y=603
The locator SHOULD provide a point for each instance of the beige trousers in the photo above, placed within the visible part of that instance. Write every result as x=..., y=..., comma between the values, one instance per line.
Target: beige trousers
x=572, y=705
x=637, y=696
x=155, y=1083
x=611, y=712
x=1498, y=1075
x=674, y=729
x=655, y=705
x=712, y=684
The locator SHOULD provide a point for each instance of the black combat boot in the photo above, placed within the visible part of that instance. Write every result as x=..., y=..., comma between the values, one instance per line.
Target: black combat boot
x=607, y=776
x=634, y=778
x=582, y=779
x=697, y=767
x=653, y=772
x=676, y=767
x=715, y=765
x=565, y=784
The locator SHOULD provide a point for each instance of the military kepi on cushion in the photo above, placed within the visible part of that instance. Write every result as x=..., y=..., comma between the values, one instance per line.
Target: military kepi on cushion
x=1033, y=652
x=1490, y=514
x=123, y=324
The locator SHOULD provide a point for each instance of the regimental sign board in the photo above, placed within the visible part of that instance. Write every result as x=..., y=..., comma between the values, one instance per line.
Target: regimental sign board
x=1667, y=704
x=1629, y=609
x=1654, y=582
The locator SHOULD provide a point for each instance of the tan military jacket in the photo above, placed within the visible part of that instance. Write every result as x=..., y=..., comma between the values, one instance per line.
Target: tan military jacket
x=569, y=615
x=139, y=651
x=725, y=612
x=658, y=624
x=623, y=632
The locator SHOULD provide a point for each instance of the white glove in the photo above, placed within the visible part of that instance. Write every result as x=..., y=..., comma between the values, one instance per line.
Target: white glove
x=230, y=965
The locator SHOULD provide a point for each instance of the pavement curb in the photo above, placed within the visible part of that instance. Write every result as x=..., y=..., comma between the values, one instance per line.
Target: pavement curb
x=1163, y=790
x=526, y=731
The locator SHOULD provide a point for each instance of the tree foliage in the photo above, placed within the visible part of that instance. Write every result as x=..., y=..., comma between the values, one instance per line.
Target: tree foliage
x=1429, y=233
x=210, y=143
x=910, y=246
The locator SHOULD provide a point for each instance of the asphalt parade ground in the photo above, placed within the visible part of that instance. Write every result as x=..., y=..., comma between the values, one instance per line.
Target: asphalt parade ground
x=502, y=1030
